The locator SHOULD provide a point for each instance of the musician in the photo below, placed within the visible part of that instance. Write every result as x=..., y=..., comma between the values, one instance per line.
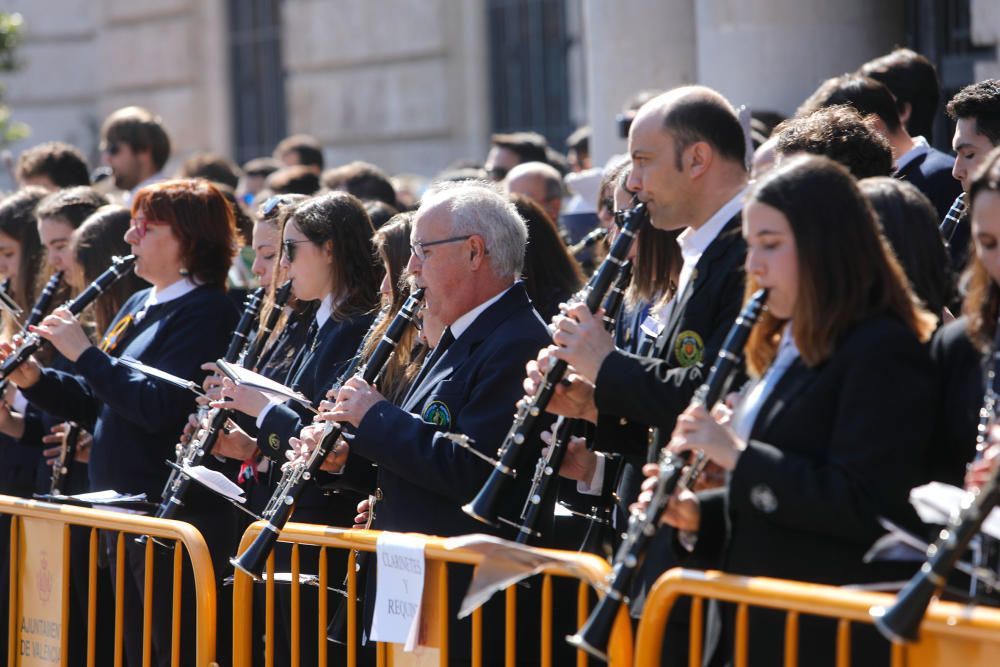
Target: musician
x=836, y=363
x=467, y=250
x=976, y=112
x=182, y=234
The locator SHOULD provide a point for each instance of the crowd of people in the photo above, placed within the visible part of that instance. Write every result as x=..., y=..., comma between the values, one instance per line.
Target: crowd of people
x=863, y=379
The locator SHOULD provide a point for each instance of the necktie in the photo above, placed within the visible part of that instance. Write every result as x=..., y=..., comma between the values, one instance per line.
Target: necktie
x=302, y=360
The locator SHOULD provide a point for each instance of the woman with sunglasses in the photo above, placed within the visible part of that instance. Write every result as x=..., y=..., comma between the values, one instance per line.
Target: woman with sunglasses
x=326, y=253
x=832, y=434
x=183, y=236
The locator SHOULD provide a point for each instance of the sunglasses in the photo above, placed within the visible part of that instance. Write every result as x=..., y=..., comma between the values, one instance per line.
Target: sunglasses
x=289, y=248
x=497, y=173
x=142, y=226
x=272, y=204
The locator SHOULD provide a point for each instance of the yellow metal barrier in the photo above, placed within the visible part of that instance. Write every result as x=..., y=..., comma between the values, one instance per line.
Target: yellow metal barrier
x=951, y=634
x=438, y=557
x=34, y=523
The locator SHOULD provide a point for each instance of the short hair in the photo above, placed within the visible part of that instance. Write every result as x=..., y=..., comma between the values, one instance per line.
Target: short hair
x=340, y=218
x=866, y=95
x=61, y=163
x=707, y=118
x=981, y=306
x=379, y=212
x=299, y=180
x=579, y=140
x=528, y=146
x=912, y=79
x=307, y=150
x=202, y=220
x=261, y=167
x=95, y=242
x=981, y=103
x=17, y=220
x=840, y=133
x=141, y=130
x=480, y=208
x=363, y=180
x=836, y=236
x=72, y=205
x=211, y=167
x=910, y=224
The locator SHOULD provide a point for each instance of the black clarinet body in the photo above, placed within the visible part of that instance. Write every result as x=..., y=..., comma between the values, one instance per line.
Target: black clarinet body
x=296, y=474
x=901, y=621
x=256, y=347
x=642, y=526
x=44, y=300
x=547, y=468
x=67, y=450
x=202, y=443
x=32, y=341
x=484, y=506
x=952, y=218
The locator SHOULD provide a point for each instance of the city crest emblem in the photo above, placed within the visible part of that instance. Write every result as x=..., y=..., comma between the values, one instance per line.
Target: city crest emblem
x=689, y=348
x=437, y=413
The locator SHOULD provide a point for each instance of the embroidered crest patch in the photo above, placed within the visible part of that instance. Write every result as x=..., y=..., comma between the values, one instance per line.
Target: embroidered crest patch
x=274, y=442
x=689, y=348
x=437, y=413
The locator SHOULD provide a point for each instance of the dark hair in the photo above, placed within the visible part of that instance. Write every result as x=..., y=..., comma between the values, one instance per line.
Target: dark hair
x=658, y=258
x=99, y=238
x=912, y=79
x=865, y=94
x=579, y=141
x=140, y=130
x=910, y=224
x=340, y=218
x=261, y=166
x=300, y=180
x=981, y=103
x=280, y=210
x=550, y=275
x=17, y=220
x=982, y=294
x=379, y=212
x=202, y=220
x=61, y=163
x=211, y=167
x=241, y=216
x=72, y=205
x=838, y=132
x=363, y=180
x=307, y=150
x=391, y=243
x=847, y=272
x=529, y=146
x=706, y=118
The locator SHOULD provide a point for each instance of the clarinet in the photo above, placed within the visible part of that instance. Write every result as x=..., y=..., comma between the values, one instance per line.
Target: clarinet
x=901, y=621
x=296, y=474
x=484, y=506
x=589, y=241
x=201, y=443
x=594, y=635
x=952, y=218
x=32, y=341
x=256, y=347
x=547, y=468
x=44, y=300
x=67, y=450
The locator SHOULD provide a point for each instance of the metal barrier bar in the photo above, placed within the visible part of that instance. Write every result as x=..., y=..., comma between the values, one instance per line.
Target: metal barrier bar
x=947, y=628
x=595, y=570
x=178, y=532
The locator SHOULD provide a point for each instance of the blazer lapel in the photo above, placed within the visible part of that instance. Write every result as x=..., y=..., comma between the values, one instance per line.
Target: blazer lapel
x=795, y=379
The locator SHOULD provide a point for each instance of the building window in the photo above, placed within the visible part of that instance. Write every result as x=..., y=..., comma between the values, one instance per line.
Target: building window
x=258, y=77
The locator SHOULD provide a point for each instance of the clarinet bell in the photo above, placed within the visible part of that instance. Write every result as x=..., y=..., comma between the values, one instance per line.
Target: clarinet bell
x=900, y=622
x=484, y=506
x=595, y=634
x=254, y=559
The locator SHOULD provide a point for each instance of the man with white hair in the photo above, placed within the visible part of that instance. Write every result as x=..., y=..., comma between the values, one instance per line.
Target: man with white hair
x=467, y=252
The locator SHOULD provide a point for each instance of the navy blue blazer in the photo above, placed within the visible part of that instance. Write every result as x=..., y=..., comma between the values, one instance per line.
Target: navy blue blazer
x=931, y=174
x=472, y=389
x=137, y=419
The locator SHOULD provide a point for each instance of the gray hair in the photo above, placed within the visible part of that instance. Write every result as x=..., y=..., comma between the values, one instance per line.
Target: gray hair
x=481, y=208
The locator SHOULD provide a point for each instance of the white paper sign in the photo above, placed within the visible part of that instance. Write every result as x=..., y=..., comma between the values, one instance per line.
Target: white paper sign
x=400, y=589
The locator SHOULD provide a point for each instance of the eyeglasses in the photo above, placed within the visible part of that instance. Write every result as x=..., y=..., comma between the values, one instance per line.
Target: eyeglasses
x=142, y=226
x=419, y=248
x=272, y=204
x=289, y=248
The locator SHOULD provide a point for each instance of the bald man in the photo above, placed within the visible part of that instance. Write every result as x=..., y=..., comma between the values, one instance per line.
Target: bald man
x=539, y=182
x=687, y=153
